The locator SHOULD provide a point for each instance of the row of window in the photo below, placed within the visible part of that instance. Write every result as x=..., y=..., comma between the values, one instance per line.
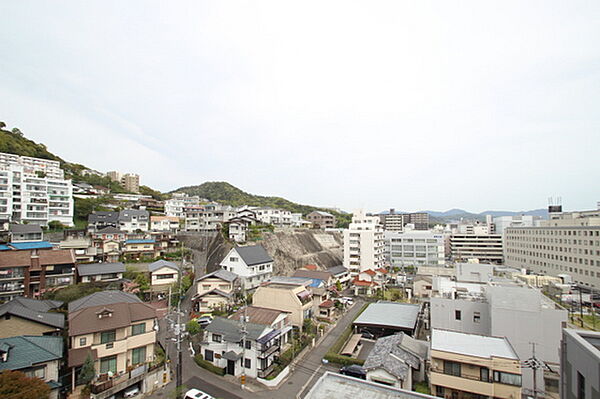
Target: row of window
x=454, y=368
x=111, y=336
x=109, y=363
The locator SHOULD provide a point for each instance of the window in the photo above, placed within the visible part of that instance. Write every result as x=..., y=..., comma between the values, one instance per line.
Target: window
x=457, y=314
x=216, y=338
x=247, y=363
x=39, y=372
x=507, y=378
x=108, y=364
x=476, y=317
x=138, y=355
x=108, y=336
x=439, y=391
x=248, y=344
x=138, y=329
x=233, y=259
x=164, y=276
x=82, y=341
x=452, y=368
x=484, y=374
x=208, y=355
x=580, y=386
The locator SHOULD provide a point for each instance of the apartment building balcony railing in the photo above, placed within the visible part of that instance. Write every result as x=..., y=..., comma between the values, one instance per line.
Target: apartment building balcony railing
x=109, y=385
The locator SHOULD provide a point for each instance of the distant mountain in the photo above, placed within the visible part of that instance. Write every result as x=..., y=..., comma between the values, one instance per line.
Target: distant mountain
x=225, y=193
x=542, y=212
x=457, y=214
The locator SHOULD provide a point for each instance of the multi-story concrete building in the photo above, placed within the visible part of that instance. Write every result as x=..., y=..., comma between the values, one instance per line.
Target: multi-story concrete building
x=364, y=243
x=503, y=222
x=115, y=176
x=521, y=314
x=487, y=248
x=164, y=223
x=580, y=364
x=321, y=220
x=176, y=205
x=394, y=221
x=131, y=182
x=467, y=366
x=414, y=248
x=33, y=190
x=568, y=243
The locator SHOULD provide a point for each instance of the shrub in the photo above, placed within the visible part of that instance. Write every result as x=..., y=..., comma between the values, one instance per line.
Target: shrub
x=205, y=364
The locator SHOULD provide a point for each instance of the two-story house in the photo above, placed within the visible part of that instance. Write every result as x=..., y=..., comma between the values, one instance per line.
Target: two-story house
x=26, y=316
x=104, y=272
x=139, y=248
x=164, y=223
x=294, y=299
x=214, y=291
x=118, y=332
x=36, y=356
x=321, y=220
x=163, y=274
x=341, y=274
x=132, y=220
x=255, y=354
x=98, y=220
x=467, y=366
x=251, y=263
x=25, y=232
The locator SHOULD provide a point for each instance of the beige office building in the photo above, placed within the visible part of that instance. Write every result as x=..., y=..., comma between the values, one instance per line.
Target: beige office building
x=131, y=182
x=568, y=243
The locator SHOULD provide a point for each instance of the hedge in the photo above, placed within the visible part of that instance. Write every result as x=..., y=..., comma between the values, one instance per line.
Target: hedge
x=205, y=364
x=333, y=355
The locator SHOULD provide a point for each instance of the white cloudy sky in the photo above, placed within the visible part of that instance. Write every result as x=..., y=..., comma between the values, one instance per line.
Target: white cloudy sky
x=373, y=104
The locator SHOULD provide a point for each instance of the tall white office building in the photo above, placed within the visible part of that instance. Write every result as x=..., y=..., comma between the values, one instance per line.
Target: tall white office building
x=364, y=243
x=34, y=190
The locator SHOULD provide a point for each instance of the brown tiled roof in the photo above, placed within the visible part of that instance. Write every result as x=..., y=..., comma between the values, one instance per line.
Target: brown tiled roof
x=327, y=304
x=85, y=321
x=47, y=257
x=258, y=315
x=77, y=356
x=316, y=274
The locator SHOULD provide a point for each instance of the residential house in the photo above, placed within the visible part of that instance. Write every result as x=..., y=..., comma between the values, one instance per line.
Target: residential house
x=422, y=286
x=214, y=291
x=118, y=333
x=163, y=274
x=83, y=248
x=322, y=220
x=36, y=356
x=253, y=353
x=324, y=276
x=164, y=223
x=291, y=298
x=133, y=220
x=98, y=220
x=397, y=360
x=252, y=263
x=138, y=249
x=386, y=318
x=341, y=274
x=25, y=316
x=25, y=232
x=238, y=227
x=31, y=272
x=466, y=366
x=102, y=272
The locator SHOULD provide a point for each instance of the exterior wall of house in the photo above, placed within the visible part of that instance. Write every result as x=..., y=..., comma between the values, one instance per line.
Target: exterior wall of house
x=164, y=271
x=209, y=284
x=469, y=380
x=285, y=300
x=16, y=326
x=218, y=348
x=251, y=276
x=422, y=288
x=102, y=277
x=444, y=315
x=382, y=376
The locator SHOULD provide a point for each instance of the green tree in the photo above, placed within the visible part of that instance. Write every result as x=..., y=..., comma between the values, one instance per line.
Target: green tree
x=86, y=375
x=56, y=225
x=193, y=327
x=16, y=385
x=142, y=280
x=338, y=286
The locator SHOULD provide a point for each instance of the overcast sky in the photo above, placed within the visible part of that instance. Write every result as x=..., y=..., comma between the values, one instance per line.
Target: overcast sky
x=406, y=104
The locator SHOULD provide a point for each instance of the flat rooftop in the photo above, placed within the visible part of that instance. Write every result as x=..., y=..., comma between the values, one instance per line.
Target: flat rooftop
x=338, y=386
x=391, y=314
x=471, y=344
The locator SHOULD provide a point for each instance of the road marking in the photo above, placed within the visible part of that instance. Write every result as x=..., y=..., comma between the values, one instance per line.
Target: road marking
x=308, y=382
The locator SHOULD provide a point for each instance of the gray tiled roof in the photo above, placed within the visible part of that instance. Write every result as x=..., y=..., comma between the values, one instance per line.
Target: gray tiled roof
x=390, y=354
x=109, y=230
x=34, y=310
x=103, y=298
x=93, y=269
x=392, y=314
x=126, y=214
x=162, y=263
x=25, y=228
x=26, y=350
x=223, y=274
x=104, y=217
x=254, y=255
x=230, y=329
x=335, y=270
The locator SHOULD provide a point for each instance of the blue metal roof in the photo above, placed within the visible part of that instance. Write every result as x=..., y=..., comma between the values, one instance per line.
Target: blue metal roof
x=31, y=245
x=139, y=242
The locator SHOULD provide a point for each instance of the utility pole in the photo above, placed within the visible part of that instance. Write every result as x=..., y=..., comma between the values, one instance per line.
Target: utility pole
x=534, y=364
x=244, y=334
x=580, y=306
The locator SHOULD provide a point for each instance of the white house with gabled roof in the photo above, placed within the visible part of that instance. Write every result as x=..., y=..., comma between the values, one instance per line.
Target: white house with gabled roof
x=252, y=263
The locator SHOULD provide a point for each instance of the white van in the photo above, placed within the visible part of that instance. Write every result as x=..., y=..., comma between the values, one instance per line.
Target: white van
x=197, y=394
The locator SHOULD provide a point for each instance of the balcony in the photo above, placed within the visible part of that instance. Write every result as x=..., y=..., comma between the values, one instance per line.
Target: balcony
x=265, y=373
x=106, y=386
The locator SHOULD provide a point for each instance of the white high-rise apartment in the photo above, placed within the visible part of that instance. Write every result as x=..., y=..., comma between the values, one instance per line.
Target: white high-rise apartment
x=33, y=190
x=364, y=243
x=176, y=205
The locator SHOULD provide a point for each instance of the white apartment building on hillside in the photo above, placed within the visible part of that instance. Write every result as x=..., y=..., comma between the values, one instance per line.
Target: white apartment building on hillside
x=33, y=190
x=414, y=248
x=176, y=205
x=364, y=243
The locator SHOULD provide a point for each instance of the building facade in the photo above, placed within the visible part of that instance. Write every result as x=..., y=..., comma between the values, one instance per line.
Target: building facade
x=487, y=248
x=414, y=248
x=321, y=220
x=580, y=364
x=251, y=263
x=364, y=243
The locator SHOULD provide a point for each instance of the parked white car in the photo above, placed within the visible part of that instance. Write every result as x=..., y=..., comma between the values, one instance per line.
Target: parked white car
x=131, y=392
x=197, y=394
